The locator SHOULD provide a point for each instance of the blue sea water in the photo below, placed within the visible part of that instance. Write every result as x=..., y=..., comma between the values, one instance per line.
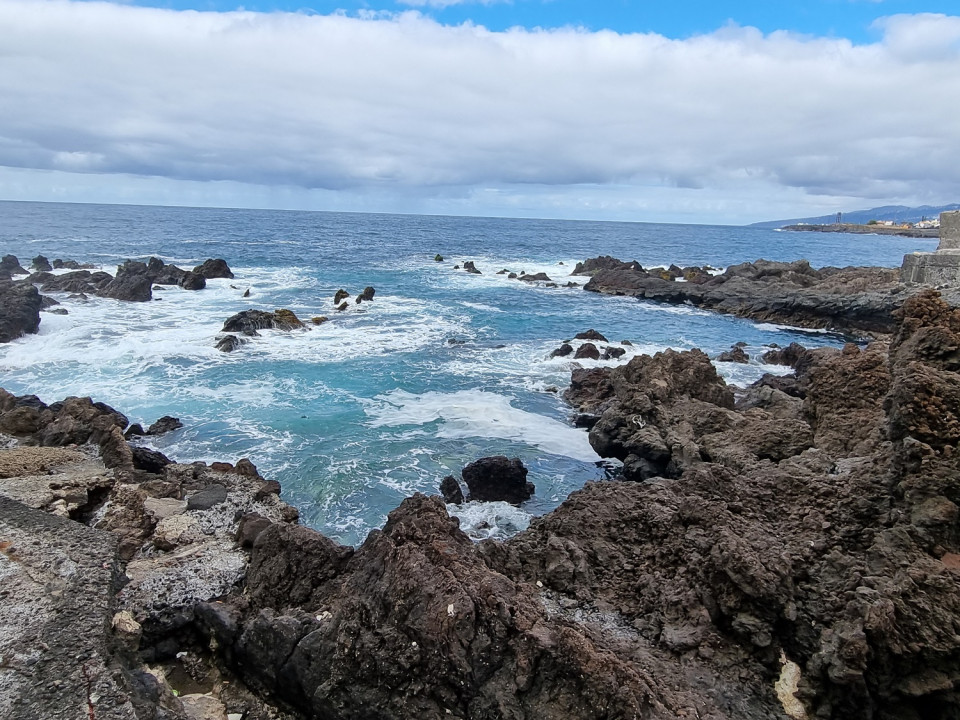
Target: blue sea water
x=385, y=399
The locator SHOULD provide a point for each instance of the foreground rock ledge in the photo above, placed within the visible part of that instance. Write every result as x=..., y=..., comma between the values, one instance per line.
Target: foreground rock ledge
x=810, y=536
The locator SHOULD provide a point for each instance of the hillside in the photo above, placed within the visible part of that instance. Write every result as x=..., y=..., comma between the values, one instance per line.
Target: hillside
x=897, y=213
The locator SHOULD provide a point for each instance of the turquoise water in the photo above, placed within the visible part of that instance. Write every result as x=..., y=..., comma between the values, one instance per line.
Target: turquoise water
x=387, y=398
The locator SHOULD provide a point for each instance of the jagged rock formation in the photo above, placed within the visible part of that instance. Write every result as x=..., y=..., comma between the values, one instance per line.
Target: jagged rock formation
x=854, y=300
x=781, y=555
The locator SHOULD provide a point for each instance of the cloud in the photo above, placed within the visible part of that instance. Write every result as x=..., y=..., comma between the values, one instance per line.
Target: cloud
x=447, y=3
x=401, y=106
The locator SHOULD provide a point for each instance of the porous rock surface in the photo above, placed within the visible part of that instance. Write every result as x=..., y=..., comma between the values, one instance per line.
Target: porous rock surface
x=858, y=300
x=780, y=555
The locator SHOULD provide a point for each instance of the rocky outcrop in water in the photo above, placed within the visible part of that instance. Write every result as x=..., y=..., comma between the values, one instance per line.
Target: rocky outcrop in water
x=498, y=478
x=854, y=300
x=21, y=305
x=9, y=265
x=214, y=268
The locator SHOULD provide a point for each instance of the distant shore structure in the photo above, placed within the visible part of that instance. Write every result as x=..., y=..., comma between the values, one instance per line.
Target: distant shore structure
x=939, y=268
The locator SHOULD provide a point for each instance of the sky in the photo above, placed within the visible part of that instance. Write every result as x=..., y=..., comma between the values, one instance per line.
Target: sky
x=687, y=111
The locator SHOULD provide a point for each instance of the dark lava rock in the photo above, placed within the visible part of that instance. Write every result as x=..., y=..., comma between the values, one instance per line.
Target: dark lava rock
x=193, y=281
x=229, y=343
x=57, y=311
x=612, y=353
x=339, y=296
x=152, y=461
x=59, y=264
x=563, y=351
x=537, y=277
x=164, y=425
x=366, y=295
x=11, y=266
x=247, y=468
x=438, y=258
x=248, y=322
x=214, y=268
x=734, y=354
x=470, y=267
x=451, y=491
x=246, y=293
x=590, y=334
x=21, y=303
x=41, y=264
x=342, y=307
x=132, y=283
x=498, y=478
x=587, y=351
x=790, y=355
x=849, y=299
x=47, y=302
x=604, y=262
x=207, y=497
x=135, y=430
x=249, y=529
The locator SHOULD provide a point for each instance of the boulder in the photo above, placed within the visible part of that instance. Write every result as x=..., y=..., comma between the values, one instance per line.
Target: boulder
x=498, y=478
x=11, y=266
x=192, y=281
x=152, y=461
x=248, y=322
x=735, y=354
x=613, y=353
x=367, y=294
x=339, y=296
x=536, y=277
x=21, y=303
x=451, y=491
x=164, y=425
x=41, y=264
x=590, y=334
x=229, y=343
x=587, y=351
x=790, y=355
x=132, y=283
x=564, y=350
x=214, y=268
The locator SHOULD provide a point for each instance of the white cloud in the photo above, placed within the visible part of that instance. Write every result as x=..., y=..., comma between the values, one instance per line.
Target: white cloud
x=402, y=111
x=447, y=3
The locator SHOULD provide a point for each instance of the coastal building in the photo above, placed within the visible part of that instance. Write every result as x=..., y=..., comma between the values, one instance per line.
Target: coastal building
x=940, y=268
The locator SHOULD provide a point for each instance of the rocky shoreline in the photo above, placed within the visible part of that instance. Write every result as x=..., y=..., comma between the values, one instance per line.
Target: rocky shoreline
x=787, y=550
x=858, y=301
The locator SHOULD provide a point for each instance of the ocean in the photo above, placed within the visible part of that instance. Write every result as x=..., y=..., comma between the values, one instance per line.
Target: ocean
x=388, y=397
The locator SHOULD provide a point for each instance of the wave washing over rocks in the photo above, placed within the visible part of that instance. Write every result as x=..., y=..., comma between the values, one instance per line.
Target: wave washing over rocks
x=787, y=550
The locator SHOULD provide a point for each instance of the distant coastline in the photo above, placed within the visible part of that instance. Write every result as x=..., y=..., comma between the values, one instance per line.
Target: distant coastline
x=857, y=229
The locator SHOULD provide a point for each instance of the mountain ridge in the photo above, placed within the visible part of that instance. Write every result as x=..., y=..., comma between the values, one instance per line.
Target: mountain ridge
x=897, y=213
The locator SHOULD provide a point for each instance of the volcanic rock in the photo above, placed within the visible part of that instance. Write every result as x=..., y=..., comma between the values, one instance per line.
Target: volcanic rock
x=451, y=491
x=132, y=283
x=21, y=303
x=470, y=267
x=164, y=425
x=498, y=478
x=735, y=354
x=604, y=262
x=41, y=264
x=590, y=334
x=587, y=351
x=11, y=266
x=192, y=281
x=214, y=268
x=850, y=299
x=562, y=351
